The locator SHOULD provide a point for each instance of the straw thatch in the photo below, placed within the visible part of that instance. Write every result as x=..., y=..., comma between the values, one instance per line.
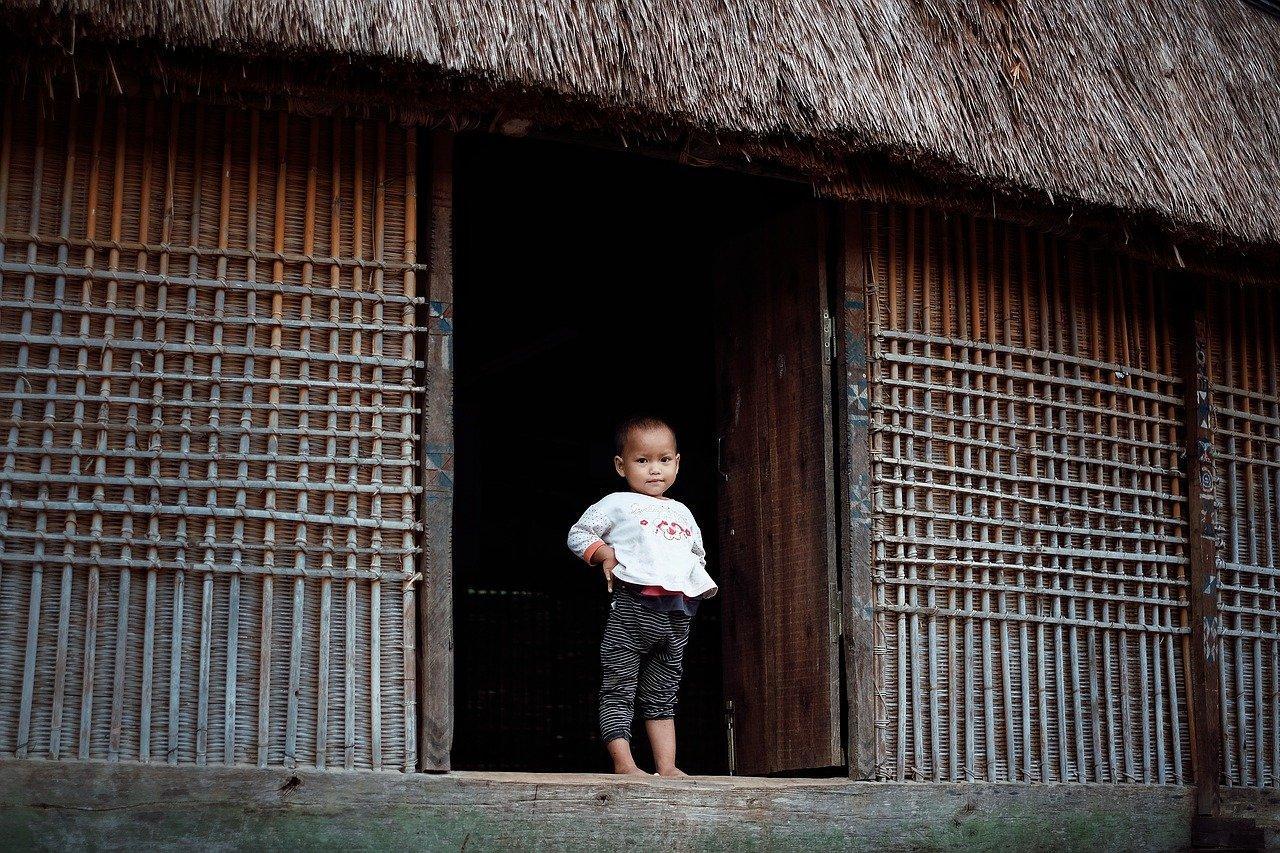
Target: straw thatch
x=1165, y=108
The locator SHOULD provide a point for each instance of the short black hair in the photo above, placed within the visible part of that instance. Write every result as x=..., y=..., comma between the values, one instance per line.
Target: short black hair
x=634, y=422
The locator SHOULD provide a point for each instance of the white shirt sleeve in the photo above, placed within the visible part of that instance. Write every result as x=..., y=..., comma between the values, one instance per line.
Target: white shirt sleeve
x=695, y=544
x=588, y=530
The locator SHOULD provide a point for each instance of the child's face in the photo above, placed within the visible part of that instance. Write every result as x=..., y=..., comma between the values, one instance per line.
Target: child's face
x=649, y=462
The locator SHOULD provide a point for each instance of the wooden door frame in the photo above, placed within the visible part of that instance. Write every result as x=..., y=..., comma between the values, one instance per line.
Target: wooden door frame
x=847, y=288
x=435, y=443
x=850, y=279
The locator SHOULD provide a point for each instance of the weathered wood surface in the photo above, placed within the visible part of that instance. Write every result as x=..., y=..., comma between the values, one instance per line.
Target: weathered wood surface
x=777, y=528
x=78, y=805
x=1203, y=548
x=435, y=606
x=855, y=474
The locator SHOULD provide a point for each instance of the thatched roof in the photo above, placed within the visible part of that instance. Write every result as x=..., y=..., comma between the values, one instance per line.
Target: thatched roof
x=1165, y=108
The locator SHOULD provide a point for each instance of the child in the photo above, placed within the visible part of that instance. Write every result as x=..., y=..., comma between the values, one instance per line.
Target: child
x=650, y=550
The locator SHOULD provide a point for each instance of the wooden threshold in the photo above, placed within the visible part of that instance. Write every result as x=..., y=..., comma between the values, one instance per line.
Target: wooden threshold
x=97, y=804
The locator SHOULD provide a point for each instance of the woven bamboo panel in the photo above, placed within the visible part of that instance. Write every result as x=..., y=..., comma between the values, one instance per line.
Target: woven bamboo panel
x=1244, y=369
x=207, y=488
x=1029, y=540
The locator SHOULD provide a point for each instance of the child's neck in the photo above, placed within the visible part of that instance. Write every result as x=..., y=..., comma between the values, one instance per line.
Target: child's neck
x=647, y=495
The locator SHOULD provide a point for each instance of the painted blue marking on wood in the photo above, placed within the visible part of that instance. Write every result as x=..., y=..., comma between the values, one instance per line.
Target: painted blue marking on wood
x=855, y=347
x=860, y=500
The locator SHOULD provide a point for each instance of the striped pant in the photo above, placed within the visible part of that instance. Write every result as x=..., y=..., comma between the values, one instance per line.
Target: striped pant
x=641, y=657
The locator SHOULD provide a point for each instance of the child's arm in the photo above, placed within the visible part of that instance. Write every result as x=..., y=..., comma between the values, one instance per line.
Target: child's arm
x=695, y=545
x=586, y=539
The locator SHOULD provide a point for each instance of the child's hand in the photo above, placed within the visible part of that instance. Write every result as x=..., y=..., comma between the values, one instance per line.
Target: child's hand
x=608, y=562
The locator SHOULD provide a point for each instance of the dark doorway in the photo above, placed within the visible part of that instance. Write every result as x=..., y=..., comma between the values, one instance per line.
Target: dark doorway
x=584, y=291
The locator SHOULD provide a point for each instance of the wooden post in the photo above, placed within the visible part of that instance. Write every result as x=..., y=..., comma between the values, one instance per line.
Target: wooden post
x=435, y=605
x=853, y=424
x=1204, y=695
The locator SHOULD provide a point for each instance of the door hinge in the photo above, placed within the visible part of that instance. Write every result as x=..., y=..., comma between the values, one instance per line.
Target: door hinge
x=828, y=336
x=729, y=733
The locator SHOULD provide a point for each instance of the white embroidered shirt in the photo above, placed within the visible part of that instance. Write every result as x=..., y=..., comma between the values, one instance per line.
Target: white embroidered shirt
x=656, y=542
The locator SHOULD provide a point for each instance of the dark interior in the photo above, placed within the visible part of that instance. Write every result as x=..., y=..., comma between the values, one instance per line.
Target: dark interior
x=584, y=291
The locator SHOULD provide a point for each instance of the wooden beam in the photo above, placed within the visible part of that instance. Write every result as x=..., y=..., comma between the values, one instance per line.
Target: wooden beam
x=1204, y=697
x=853, y=425
x=96, y=804
x=435, y=604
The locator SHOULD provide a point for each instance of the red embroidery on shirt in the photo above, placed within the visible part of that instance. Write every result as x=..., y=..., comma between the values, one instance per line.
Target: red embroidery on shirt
x=671, y=530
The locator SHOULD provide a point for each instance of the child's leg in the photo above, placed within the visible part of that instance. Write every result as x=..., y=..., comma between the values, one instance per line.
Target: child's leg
x=662, y=737
x=658, y=690
x=619, y=666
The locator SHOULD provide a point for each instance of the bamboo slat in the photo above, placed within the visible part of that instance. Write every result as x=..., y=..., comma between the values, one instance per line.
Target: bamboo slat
x=409, y=626
x=24, y=732
x=1029, y=533
x=191, y=408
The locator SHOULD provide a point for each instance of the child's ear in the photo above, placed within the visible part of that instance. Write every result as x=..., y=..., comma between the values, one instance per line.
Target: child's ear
x=677, y=461
x=617, y=465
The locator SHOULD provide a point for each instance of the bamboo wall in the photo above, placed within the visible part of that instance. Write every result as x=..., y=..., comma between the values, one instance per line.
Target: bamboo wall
x=1244, y=371
x=1029, y=538
x=207, y=396
x=208, y=524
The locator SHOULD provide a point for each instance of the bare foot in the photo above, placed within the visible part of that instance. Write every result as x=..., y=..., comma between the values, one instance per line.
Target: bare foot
x=672, y=772
x=623, y=763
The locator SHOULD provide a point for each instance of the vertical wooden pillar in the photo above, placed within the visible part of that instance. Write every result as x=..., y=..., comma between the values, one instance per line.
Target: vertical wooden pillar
x=1204, y=693
x=855, y=474
x=435, y=605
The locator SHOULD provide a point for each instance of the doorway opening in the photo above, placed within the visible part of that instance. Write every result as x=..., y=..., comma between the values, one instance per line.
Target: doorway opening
x=585, y=291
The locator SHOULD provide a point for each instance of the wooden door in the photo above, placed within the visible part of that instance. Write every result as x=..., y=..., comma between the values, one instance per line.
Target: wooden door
x=777, y=532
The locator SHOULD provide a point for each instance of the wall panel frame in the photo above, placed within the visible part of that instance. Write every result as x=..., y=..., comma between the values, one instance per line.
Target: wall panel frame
x=208, y=408
x=1243, y=373
x=1029, y=534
